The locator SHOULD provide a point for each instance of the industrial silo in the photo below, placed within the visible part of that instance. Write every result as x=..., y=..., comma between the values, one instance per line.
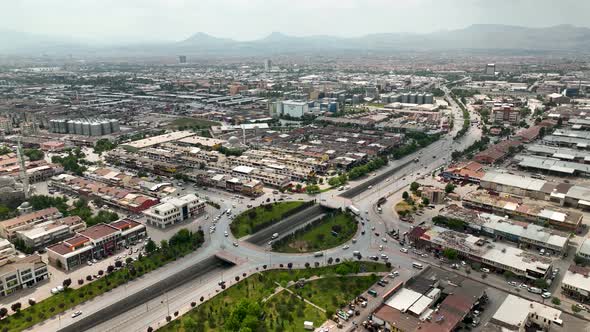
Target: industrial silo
x=52, y=126
x=115, y=126
x=413, y=97
x=71, y=128
x=405, y=98
x=105, y=127
x=78, y=127
x=86, y=128
x=420, y=98
x=428, y=98
x=95, y=129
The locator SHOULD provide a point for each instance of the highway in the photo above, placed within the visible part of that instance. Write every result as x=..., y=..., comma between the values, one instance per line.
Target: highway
x=249, y=257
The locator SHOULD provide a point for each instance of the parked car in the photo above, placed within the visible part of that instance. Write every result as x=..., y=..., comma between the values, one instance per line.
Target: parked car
x=76, y=314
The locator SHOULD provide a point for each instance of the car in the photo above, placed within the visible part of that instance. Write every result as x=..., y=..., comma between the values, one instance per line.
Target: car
x=404, y=250
x=484, y=270
x=76, y=314
x=226, y=234
x=546, y=295
x=346, y=246
x=523, y=286
x=370, y=187
x=375, y=258
x=381, y=247
x=235, y=244
x=579, y=306
x=380, y=283
x=384, y=239
x=463, y=263
x=60, y=288
x=94, y=260
x=54, y=290
x=513, y=283
x=353, y=240
x=372, y=228
x=89, y=263
x=384, y=257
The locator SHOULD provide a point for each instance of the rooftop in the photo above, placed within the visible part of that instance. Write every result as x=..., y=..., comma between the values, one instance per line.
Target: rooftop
x=98, y=231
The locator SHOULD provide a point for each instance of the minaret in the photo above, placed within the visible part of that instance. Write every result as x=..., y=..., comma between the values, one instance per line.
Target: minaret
x=23, y=170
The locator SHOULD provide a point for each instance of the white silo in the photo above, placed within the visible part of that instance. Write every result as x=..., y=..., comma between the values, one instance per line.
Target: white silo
x=420, y=99
x=413, y=98
x=405, y=98
x=429, y=98
x=105, y=126
x=95, y=129
x=71, y=127
x=78, y=127
x=86, y=128
x=115, y=128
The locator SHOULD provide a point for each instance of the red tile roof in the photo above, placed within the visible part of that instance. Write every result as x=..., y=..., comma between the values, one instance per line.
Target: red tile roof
x=98, y=231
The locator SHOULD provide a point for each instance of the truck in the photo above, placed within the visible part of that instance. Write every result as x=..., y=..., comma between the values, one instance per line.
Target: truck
x=354, y=210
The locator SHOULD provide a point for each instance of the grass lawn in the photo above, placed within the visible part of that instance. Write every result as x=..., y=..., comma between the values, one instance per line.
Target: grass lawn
x=282, y=312
x=192, y=122
x=341, y=290
x=249, y=221
x=319, y=236
x=403, y=206
x=71, y=297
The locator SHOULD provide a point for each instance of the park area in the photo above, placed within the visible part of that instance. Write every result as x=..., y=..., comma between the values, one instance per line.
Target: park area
x=257, y=218
x=328, y=232
x=275, y=301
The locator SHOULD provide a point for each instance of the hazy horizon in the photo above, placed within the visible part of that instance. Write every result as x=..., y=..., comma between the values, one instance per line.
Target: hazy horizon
x=123, y=21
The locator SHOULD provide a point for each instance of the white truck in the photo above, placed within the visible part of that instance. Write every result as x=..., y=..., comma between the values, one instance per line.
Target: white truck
x=354, y=210
x=275, y=235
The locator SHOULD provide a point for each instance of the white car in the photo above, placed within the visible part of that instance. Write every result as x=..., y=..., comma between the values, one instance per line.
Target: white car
x=54, y=290
x=89, y=263
x=235, y=244
x=484, y=270
x=226, y=234
x=76, y=314
x=381, y=248
x=345, y=247
x=384, y=239
x=546, y=295
x=404, y=250
x=384, y=257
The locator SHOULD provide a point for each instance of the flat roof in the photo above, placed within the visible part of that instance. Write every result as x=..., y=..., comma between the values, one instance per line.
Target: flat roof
x=403, y=299
x=150, y=141
x=99, y=231
x=520, y=181
x=515, y=310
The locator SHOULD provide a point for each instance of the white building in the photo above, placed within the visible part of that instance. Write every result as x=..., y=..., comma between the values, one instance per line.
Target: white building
x=174, y=210
x=22, y=273
x=7, y=251
x=516, y=313
x=576, y=282
x=295, y=109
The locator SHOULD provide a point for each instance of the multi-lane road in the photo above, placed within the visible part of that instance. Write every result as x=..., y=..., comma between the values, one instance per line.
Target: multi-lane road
x=249, y=257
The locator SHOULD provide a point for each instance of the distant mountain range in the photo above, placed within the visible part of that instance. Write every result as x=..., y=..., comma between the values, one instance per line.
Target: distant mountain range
x=561, y=38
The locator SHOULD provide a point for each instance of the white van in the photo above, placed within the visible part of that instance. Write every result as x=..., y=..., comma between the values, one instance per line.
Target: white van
x=417, y=265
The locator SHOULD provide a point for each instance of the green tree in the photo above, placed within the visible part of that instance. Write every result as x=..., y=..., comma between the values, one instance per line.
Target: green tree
x=576, y=308
x=34, y=154
x=556, y=301
x=425, y=201
x=405, y=195
x=414, y=186
x=150, y=246
x=449, y=188
x=541, y=283
x=450, y=254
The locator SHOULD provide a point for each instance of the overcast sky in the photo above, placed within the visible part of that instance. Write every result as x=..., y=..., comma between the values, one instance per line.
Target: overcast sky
x=143, y=20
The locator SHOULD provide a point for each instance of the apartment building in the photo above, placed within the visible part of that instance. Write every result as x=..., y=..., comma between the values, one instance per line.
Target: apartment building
x=7, y=251
x=174, y=210
x=8, y=228
x=22, y=273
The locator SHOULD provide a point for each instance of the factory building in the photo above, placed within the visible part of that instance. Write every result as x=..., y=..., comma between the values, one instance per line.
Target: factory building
x=84, y=127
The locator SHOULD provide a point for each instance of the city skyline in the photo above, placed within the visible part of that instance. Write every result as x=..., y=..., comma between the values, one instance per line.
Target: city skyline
x=150, y=21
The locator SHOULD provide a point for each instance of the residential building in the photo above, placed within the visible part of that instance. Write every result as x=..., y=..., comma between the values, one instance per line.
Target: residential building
x=174, y=210
x=22, y=273
x=505, y=113
x=8, y=228
x=470, y=171
x=294, y=109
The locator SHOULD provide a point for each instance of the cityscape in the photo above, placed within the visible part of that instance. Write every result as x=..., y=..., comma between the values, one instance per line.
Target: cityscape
x=342, y=176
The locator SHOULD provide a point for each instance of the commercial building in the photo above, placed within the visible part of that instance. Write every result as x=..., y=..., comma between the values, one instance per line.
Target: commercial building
x=516, y=208
x=553, y=166
x=246, y=187
x=40, y=235
x=518, y=314
x=95, y=242
x=294, y=109
x=497, y=152
x=470, y=171
x=8, y=228
x=105, y=193
x=495, y=255
x=7, y=251
x=174, y=210
x=22, y=273
x=417, y=305
x=505, y=113
x=576, y=283
x=526, y=235
x=490, y=69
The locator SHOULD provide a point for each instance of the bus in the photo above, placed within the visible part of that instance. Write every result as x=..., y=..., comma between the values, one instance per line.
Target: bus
x=417, y=265
x=354, y=210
